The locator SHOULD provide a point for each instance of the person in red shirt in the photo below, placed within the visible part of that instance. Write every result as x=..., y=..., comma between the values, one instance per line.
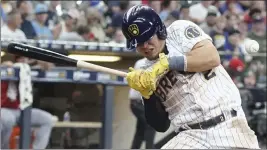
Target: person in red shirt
x=10, y=114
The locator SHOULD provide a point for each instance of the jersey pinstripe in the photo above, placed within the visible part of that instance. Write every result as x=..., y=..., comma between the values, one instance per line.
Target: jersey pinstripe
x=195, y=97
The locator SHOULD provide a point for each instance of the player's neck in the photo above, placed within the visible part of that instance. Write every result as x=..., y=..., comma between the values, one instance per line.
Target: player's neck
x=162, y=46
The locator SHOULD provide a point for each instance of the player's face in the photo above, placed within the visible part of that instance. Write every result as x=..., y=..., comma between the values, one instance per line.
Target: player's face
x=151, y=48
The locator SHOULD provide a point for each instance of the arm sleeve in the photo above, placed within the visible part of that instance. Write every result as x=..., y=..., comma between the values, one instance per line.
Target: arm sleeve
x=185, y=34
x=155, y=114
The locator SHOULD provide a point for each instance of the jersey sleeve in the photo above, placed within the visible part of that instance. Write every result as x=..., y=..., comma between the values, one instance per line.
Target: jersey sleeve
x=184, y=35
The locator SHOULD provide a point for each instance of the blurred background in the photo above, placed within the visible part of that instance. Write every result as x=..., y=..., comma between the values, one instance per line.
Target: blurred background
x=90, y=30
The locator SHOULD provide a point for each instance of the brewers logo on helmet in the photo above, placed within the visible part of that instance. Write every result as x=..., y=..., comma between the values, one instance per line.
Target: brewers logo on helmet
x=133, y=29
x=140, y=23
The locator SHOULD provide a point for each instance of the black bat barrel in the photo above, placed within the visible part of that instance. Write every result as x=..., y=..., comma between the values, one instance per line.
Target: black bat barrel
x=40, y=54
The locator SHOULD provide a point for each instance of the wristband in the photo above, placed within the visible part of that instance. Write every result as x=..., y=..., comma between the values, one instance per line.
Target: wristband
x=178, y=63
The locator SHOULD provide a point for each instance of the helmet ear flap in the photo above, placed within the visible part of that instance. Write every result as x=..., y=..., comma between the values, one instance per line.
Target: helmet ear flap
x=161, y=32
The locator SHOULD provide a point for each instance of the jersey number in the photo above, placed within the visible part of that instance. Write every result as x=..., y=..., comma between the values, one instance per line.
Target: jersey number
x=209, y=74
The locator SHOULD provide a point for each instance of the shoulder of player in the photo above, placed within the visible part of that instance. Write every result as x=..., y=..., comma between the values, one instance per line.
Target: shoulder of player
x=140, y=63
x=180, y=24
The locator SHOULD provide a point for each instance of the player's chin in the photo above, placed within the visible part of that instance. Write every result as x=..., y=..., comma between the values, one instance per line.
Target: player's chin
x=152, y=56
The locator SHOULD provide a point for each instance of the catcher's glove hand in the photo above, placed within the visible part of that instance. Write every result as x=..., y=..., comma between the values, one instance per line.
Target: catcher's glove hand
x=144, y=81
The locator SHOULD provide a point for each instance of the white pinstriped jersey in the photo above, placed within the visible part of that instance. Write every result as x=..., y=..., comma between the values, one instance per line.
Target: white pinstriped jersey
x=193, y=97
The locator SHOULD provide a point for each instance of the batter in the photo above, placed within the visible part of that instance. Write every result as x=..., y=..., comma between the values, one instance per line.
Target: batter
x=183, y=83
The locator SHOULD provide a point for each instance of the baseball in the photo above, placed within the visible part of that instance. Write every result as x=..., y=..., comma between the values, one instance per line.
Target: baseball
x=252, y=46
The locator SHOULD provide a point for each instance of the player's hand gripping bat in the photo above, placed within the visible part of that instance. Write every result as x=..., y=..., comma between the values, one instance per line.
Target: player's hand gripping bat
x=53, y=57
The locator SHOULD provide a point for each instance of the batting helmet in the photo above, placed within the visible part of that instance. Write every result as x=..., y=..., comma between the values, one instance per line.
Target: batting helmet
x=140, y=23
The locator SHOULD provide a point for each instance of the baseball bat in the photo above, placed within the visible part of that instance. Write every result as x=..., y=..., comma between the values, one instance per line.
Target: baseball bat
x=54, y=57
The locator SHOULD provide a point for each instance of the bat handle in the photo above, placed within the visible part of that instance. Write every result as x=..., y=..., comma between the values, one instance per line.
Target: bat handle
x=86, y=65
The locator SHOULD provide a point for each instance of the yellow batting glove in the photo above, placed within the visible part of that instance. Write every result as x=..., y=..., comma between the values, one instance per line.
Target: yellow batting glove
x=144, y=81
x=146, y=93
x=141, y=81
x=160, y=67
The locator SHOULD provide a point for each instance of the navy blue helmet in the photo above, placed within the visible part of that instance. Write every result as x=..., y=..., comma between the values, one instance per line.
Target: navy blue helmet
x=140, y=23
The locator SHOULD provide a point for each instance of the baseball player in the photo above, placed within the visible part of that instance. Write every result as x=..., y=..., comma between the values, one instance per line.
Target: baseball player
x=183, y=83
x=143, y=132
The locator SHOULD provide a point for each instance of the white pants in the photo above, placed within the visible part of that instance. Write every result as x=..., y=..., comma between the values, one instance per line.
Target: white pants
x=10, y=118
x=233, y=133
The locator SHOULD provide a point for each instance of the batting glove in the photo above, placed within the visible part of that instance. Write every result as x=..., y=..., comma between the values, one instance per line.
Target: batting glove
x=142, y=81
x=160, y=67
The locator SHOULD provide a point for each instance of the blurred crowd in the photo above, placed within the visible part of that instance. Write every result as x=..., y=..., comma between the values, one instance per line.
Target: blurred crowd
x=230, y=23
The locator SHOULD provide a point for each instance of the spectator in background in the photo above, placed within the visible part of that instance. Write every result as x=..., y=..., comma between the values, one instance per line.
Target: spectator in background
x=132, y=3
x=243, y=28
x=6, y=6
x=250, y=79
x=26, y=26
x=11, y=29
x=236, y=69
x=199, y=11
x=116, y=18
x=232, y=21
x=245, y=5
x=113, y=8
x=258, y=30
x=164, y=13
x=231, y=25
x=156, y=5
x=85, y=33
x=82, y=34
x=184, y=12
x=210, y=22
x=173, y=16
x=81, y=104
x=94, y=21
x=118, y=37
x=235, y=43
x=3, y=16
x=43, y=32
x=231, y=7
x=218, y=33
x=261, y=5
x=253, y=11
x=53, y=17
x=261, y=80
x=167, y=6
x=10, y=114
x=68, y=26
